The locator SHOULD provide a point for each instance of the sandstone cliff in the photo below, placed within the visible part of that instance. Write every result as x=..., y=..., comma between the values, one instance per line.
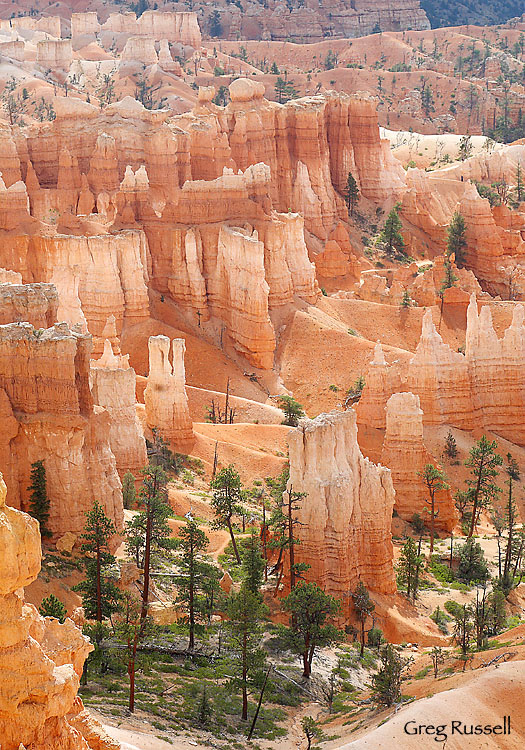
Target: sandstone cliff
x=165, y=394
x=405, y=453
x=113, y=384
x=41, y=660
x=481, y=389
x=346, y=515
x=48, y=414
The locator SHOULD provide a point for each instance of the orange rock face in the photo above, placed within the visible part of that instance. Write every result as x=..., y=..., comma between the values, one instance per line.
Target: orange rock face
x=113, y=384
x=49, y=415
x=405, y=453
x=165, y=394
x=480, y=389
x=40, y=660
x=346, y=515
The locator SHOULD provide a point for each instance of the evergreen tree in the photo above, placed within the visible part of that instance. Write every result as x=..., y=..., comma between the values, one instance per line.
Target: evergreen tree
x=38, y=499
x=386, y=683
x=51, y=606
x=434, y=480
x=450, y=278
x=520, y=190
x=472, y=565
x=252, y=564
x=463, y=627
x=311, y=730
x=226, y=502
x=391, y=236
x=310, y=609
x=245, y=611
x=293, y=411
x=408, y=567
x=451, y=448
x=284, y=90
x=351, y=193
x=437, y=657
x=513, y=474
x=364, y=607
x=132, y=628
x=274, y=70
x=283, y=522
x=482, y=462
x=128, y=490
x=215, y=24
x=190, y=582
x=147, y=535
x=100, y=595
x=456, y=239
x=204, y=710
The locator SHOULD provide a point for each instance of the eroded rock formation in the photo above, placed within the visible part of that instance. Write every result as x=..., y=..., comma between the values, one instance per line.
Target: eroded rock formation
x=405, y=453
x=113, y=384
x=41, y=660
x=165, y=393
x=483, y=388
x=48, y=414
x=346, y=514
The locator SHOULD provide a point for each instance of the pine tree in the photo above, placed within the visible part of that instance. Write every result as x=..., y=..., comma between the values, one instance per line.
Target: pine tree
x=274, y=70
x=407, y=300
x=283, y=523
x=482, y=462
x=450, y=278
x=100, y=595
x=132, y=628
x=204, y=710
x=311, y=730
x=463, y=627
x=386, y=683
x=520, y=190
x=190, y=582
x=364, y=608
x=252, y=563
x=434, y=480
x=391, y=236
x=147, y=535
x=513, y=474
x=437, y=657
x=472, y=565
x=38, y=501
x=226, y=502
x=408, y=567
x=245, y=612
x=128, y=490
x=351, y=193
x=51, y=606
x=293, y=411
x=310, y=627
x=215, y=24
x=456, y=239
x=451, y=448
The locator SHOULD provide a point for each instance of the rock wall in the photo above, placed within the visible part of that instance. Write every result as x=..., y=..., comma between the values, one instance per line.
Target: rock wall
x=346, y=515
x=113, y=384
x=405, y=453
x=33, y=303
x=165, y=393
x=41, y=660
x=117, y=200
x=482, y=389
x=174, y=27
x=48, y=414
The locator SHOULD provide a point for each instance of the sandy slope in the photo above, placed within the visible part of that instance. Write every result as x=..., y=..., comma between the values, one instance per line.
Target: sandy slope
x=485, y=698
